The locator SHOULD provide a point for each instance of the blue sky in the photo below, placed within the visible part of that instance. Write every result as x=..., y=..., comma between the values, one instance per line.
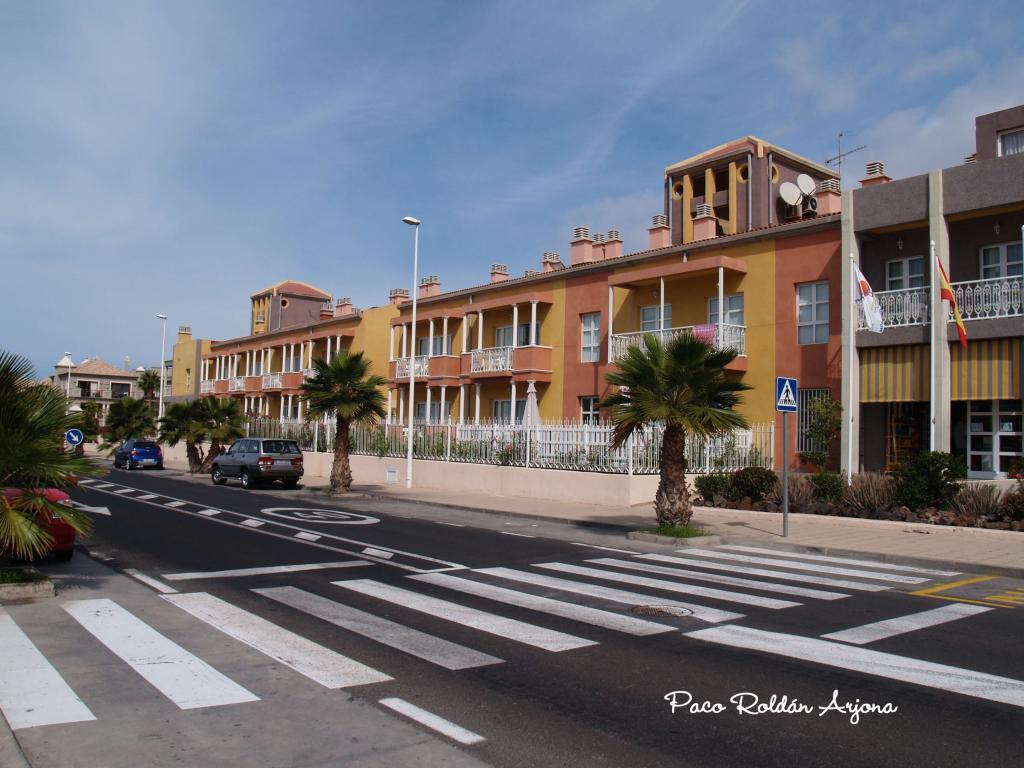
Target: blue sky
x=176, y=157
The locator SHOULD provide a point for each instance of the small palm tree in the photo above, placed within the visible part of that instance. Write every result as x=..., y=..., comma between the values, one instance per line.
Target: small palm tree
x=683, y=386
x=127, y=418
x=222, y=423
x=149, y=383
x=345, y=388
x=33, y=420
x=182, y=421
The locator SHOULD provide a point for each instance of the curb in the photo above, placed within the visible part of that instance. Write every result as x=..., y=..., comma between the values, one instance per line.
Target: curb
x=708, y=540
x=27, y=590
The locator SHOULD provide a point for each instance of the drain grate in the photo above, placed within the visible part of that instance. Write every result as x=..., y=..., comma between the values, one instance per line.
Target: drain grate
x=660, y=610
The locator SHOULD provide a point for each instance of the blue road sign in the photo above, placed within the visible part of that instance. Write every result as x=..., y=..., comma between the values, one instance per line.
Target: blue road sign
x=74, y=437
x=785, y=394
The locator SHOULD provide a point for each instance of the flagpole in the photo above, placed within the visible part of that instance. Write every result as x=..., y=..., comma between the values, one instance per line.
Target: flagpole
x=850, y=406
x=936, y=317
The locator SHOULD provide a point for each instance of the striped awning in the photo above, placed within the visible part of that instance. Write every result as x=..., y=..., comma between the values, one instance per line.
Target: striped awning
x=989, y=369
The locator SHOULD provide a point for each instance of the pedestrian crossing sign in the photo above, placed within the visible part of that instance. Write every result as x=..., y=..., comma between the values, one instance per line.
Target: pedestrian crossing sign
x=785, y=394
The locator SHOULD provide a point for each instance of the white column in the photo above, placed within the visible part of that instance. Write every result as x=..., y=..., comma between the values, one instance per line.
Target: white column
x=428, y=405
x=465, y=334
x=661, y=307
x=291, y=367
x=430, y=337
x=401, y=404
x=444, y=336
x=337, y=344
x=611, y=310
x=284, y=357
x=405, y=339
x=480, y=329
x=515, y=326
x=462, y=403
x=245, y=405
x=387, y=420
x=512, y=417
x=280, y=408
x=445, y=418
x=391, y=344
x=270, y=359
x=476, y=411
x=300, y=409
x=328, y=349
x=533, y=324
x=289, y=409
x=721, y=307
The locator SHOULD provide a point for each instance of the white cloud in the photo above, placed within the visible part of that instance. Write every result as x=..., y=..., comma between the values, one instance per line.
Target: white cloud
x=944, y=62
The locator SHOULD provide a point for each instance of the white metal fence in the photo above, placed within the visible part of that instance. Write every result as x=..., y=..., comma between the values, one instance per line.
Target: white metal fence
x=571, y=446
x=976, y=299
x=732, y=336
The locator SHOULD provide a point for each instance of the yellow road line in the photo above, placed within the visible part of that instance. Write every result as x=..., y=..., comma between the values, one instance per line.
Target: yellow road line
x=931, y=592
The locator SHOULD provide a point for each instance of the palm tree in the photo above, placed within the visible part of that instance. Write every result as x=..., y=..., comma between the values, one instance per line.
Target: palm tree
x=683, y=386
x=343, y=386
x=33, y=420
x=149, y=383
x=90, y=423
x=222, y=422
x=127, y=418
x=183, y=421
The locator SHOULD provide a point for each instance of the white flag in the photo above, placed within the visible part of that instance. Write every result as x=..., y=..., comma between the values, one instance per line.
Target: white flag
x=862, y=292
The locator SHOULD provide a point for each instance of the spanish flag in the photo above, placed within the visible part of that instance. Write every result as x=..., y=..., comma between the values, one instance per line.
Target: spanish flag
x=946, y=292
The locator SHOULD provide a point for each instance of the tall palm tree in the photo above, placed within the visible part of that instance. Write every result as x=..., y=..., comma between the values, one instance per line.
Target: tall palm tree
x=33, y=420
x=223, y=423
x=127, y=418
x=343, y=386
x=683, y=386
x=149, y=383
x=183, y=421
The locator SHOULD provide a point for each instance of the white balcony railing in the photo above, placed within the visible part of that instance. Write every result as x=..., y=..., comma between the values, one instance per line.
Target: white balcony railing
x=899, y=308
x=996, y=297
x=207, y=387
x=734, y=336
x=308, y=373
x=271, y=380
x=237, y=384
x=491, y=359
x=419, y=366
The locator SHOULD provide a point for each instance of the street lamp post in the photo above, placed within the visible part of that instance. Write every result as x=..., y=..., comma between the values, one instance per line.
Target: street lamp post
x=163, y=349
x=68, y=356
x=412, y=347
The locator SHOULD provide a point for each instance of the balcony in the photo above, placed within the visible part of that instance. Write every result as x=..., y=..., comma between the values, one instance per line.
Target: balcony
x=732, y=336
x=420, y=366
x=308, y=373
x=527, y=363
x=900, y=308
x=491, y=360
x=236, y=384
x=977, y=299
x=271, y=381
x=207, y=387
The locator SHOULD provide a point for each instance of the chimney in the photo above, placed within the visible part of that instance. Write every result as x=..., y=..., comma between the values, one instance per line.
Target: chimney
x=551, y=262
x=660, y=236
x=430, y=286
x=127, y=362
x=325, y=311
x=532, y=273
x=184, y=333
x=875, y=174
x=705, y=225
x=613, y=245
x=499, y=273
x=581, y=249
x=343, y=307
x=398, y=296
x=828, y=196
x=597, y=254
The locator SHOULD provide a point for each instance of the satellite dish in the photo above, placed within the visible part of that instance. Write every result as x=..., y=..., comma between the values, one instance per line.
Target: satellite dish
x=805, y=183
x=790, y=193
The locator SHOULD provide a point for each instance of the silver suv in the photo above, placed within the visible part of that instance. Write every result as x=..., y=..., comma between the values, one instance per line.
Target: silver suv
x=254, y=459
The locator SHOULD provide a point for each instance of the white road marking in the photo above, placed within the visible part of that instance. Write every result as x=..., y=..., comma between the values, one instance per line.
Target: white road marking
x=149, y=581
x=252, y=523
x=713, y=615
x=87, y=508
x=86, y=481
x=524, y=535
x=765, y=586
x=372, y=552
x=104, y=485
x=453, y=525
x=511, y=629
x=432, y=721
x=209, y=512
x=670, y=586
x=798, y=566
x=146, y=497
x=444, y=653
x=865, y=661
x=710, y=565
x=306, y=536
x=606, y=549
x=322, y=665
x=263, y=571
x=880, y=630
x=582, y=613
x=125, y=490
x=185, y=679
x=32, y=692
x=175, y=504
x=840, y=560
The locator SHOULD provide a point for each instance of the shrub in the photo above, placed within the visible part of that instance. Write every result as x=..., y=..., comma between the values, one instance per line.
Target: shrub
x=928, y=479
x=977, y=501
x=801, y=493
x=824, y=420
x=709, y=486
x=1012, y=505
x=828, y=486
x=869, y=492
x=755, y=482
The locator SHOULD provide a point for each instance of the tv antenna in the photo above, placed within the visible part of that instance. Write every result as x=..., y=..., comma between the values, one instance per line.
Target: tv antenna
x=838, y=159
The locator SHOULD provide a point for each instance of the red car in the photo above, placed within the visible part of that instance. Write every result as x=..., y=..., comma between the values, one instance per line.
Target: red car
x=63, y=546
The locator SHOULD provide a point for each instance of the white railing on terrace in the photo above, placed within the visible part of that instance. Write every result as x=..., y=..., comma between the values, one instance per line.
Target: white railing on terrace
x=271, y=380
x=734, y=336
x=996, y=297
x=491, y=359
x=207, y=387
x=237, y=384
x=308, y=373
x=568, y=446
x=419, y=366
x=899, y=308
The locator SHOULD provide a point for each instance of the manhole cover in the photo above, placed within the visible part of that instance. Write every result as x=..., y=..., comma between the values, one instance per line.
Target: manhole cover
x=660, y=610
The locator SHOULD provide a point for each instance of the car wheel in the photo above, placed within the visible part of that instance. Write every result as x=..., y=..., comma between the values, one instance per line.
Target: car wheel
x=218, y=477
x=64, y=555
x=246, y=478
x=159, y=466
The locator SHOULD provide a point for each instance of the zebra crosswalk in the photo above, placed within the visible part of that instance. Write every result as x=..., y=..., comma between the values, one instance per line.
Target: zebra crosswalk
x=557, y=607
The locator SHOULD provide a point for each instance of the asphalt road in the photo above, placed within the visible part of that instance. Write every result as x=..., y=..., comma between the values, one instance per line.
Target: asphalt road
x=553, y=688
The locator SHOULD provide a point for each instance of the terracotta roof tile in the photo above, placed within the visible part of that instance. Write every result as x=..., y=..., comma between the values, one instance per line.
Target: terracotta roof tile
x=97, y=367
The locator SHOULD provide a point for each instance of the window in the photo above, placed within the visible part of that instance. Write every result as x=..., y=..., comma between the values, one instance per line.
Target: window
x=120, y=390
x=435, y=413
x=650, y=317
x=591, y=337
x=812, y=313
x=589, y=413
x=188, y=378
x=1011, y=143
x=84, y=388
x=904, y=274
x=502, y=410
x=803, y=416
x=503, y=335
x=733, y=309
x=1000, y=261
x=440, y=347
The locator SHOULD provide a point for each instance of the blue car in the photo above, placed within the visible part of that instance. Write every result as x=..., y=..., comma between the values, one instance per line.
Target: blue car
x=138, y=453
